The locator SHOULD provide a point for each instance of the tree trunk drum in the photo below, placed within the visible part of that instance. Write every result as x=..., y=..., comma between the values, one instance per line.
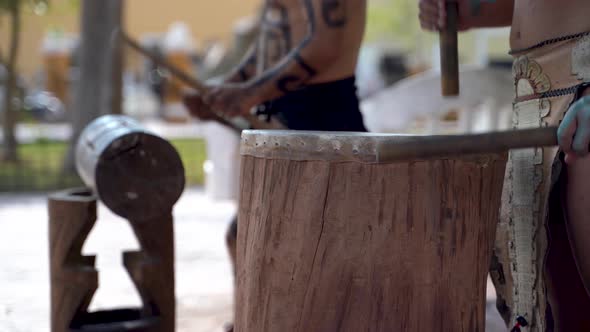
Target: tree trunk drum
x=74, y=279
x=137, y=174
x=334, y=236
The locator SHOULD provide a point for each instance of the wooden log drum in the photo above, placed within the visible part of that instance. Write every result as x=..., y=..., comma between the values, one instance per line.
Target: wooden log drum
x=336, y=236
x=135, y=173
x=140, y=177
x=74, y=278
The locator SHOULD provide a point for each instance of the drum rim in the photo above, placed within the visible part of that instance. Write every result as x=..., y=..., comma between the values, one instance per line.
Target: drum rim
x=349, y=146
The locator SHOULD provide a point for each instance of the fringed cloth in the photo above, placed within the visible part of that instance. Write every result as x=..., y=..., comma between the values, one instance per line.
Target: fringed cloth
x=548, y=77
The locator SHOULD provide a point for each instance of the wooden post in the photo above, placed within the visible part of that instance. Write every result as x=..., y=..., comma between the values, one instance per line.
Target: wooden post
x=152, y=268
x=74, y=278
x=333, y=239
x=100, y=67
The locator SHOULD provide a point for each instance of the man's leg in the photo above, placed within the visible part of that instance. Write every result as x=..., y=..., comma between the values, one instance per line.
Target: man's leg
x=578, y=212
x=568, y=260
x=231, y=237
x=566, y=294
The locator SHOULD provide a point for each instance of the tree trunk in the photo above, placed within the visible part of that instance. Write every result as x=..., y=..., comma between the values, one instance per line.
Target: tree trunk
x=9, y=151
x=98, y=90
x=114, y=83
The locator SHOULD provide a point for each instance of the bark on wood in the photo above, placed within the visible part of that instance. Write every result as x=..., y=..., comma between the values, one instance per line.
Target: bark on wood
x=335, y=245
x=74, y=279
x=9, y=120
x=152, y=268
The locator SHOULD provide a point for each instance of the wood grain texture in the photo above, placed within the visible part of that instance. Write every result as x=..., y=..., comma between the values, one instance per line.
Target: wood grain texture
x=73, y=278
x=141, y=180
x=381, y=148
x=352, y=246
x=152, y=268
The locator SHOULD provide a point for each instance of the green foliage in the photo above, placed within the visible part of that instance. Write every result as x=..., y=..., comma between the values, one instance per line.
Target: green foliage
x=38, y=7
x=397, y=20
x=10, y=5
x=65, y=7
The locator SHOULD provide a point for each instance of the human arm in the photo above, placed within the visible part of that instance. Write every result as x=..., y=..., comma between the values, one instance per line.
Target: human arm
x=322, y=21
x=472, y=14
x=574, y=131
x=244, y=70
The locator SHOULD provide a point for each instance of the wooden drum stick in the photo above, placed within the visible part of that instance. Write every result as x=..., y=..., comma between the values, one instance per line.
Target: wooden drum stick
x=425, y=147
x=449, y=55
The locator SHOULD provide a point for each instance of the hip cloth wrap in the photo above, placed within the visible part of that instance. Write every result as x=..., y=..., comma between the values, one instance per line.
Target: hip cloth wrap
x=547, y=79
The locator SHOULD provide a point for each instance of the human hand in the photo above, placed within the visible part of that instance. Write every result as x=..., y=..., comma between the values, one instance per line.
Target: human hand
x=573, y=133
x=196, y=106
x=231, y=99
x=433, y=14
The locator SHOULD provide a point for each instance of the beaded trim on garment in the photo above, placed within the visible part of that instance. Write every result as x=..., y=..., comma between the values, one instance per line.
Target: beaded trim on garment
x=549, y=42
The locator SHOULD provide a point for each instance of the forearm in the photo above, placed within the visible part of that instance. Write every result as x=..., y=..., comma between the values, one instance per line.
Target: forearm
x=246, y=68
x=292, y=73
x=490, y=13
x=301, y=64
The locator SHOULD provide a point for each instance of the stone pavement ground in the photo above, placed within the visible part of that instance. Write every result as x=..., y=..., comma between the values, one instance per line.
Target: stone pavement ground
x=203, y=273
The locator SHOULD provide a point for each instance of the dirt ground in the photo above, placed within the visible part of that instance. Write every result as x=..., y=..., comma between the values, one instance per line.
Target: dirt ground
x=203, y=279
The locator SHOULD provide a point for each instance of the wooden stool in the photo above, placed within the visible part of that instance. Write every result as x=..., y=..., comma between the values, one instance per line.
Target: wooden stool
x=74, y=279
x=333, y=236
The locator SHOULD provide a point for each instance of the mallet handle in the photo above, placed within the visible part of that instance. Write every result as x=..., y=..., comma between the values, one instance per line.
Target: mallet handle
x=449, y=55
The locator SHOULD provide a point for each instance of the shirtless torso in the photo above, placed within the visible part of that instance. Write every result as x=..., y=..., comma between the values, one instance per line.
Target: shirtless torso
x=284, y=26
x=537, y=20
x=302, y=42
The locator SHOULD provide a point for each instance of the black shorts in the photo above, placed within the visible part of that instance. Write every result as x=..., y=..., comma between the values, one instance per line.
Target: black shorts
x=332, y=106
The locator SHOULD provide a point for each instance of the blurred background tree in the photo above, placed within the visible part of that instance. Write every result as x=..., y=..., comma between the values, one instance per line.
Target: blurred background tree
x=12, y=10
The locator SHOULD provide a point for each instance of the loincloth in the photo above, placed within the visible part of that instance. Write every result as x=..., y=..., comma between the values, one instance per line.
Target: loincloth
x=330, y=106
x=547, y=79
